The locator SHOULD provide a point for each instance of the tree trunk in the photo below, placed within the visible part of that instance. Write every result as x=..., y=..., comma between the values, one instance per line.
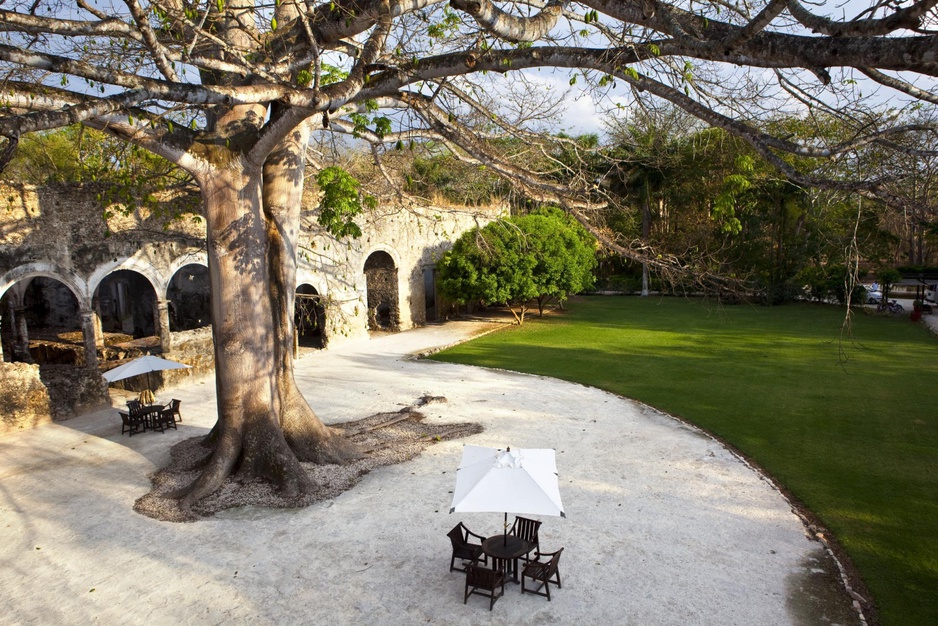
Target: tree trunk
x=248, y=437
x=646, y=233
x=307, y=436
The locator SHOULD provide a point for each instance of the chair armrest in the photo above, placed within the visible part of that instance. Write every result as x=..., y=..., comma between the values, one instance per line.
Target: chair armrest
x=472, y=534
x=549, y=555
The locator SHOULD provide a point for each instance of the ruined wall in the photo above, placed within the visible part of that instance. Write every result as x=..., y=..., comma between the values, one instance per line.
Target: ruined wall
x=24, y=401
x=414, y=237
x=65, y=234
x=66, y=226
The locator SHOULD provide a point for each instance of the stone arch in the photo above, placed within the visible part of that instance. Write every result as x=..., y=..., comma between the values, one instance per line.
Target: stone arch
x=189, y=297
x=309, y=317
x=126, y=302
x=41, y=309
x=382, y=289
x=139, y=266
x=48, y=270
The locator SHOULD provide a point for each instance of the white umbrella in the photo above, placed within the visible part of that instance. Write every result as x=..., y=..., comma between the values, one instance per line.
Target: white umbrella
x=142, y=365
x=516, y=481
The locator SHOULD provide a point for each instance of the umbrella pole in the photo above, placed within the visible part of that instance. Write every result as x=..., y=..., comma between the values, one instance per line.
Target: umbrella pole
x=505, y=534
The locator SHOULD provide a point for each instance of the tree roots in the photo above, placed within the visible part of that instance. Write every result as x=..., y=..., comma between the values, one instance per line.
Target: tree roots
x=181, y=491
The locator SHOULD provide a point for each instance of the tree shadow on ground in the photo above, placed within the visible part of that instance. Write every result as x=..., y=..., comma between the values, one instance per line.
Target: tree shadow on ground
x=384, y=438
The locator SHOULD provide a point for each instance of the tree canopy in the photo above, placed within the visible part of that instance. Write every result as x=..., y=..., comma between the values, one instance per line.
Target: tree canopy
x=231, y=90
x=540, y=256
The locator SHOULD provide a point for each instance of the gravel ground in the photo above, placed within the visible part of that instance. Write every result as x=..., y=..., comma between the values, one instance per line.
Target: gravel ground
x=663, y=526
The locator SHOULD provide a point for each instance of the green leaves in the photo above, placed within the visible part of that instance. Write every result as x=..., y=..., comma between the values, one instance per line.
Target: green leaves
x=544, y=254
x=342, y=201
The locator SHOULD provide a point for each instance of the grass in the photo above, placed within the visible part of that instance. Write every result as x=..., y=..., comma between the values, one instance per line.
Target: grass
x=848, y=427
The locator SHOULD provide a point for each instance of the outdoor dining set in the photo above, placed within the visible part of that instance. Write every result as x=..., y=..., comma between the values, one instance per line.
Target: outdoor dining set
x=146, y=414
x=522, y=481
x=505, y=551
x=140, y=417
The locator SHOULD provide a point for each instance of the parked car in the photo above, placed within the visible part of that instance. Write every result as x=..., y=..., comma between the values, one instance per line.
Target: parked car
x=930, y=292
x=873, y=294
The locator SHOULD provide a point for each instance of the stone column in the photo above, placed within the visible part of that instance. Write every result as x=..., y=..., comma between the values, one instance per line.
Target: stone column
x=97, y=330
x=20, y=335
x=162, y=315
x=88, y=337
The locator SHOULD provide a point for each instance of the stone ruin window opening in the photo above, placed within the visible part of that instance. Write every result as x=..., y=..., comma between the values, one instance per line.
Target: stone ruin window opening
x=381, y=286
x=189, y=298
x=44, y=326
x=309, y=318
x=126, y=304
x=429, y=294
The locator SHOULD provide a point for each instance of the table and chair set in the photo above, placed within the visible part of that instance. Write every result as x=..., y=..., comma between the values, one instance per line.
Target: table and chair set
x=505, y=551
x=140, y=417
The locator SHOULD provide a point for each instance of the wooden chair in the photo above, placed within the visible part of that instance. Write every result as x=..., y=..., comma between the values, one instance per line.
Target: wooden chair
x=544, y=573
x=161, y=419
x=463, y=548
x=526, y=529
x=173, y=409
x=132, y=423
x=485, y=582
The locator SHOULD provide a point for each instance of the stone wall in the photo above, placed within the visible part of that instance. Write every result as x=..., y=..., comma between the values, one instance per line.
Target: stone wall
x=73, y=390
x=24, y=401
x=64, y=234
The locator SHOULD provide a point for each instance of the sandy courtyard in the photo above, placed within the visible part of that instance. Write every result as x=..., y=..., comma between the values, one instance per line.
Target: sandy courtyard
x=663, y=526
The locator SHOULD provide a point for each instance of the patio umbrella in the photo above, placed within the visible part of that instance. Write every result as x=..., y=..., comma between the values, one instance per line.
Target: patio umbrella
x=517, y=481
x=142, y=365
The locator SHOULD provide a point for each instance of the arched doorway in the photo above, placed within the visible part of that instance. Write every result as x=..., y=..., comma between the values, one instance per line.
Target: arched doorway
x=381, y=284
x=41, y=323
x=309, y=318
x=189, y=298
x=126, y=303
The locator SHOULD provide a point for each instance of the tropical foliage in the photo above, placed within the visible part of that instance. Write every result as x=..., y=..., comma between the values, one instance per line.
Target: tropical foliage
x=536, y=257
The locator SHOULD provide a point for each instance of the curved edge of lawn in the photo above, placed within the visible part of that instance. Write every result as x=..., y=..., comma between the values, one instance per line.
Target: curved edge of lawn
x=761, y=353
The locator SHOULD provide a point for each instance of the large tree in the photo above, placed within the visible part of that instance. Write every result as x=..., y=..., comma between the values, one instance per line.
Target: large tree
x=230, y=90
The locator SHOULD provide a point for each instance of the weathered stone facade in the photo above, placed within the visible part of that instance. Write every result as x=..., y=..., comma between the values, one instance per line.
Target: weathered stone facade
x=24, y=402
x=81, y=285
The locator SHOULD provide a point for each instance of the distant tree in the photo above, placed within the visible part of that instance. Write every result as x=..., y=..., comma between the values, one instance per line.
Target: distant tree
x=124, y=175
x=564, y=251
x=888, y=278
x=536, y=257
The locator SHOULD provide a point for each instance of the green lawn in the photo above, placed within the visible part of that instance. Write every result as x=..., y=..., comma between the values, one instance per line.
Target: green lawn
x=849, y=427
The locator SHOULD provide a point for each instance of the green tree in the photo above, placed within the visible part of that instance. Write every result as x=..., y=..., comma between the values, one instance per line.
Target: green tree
x=539, y=256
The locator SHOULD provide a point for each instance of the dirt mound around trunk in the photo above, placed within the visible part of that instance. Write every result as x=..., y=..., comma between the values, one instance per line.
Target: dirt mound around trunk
x=385, y=439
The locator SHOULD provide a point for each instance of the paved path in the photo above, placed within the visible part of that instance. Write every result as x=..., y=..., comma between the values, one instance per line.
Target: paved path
x=663, y=526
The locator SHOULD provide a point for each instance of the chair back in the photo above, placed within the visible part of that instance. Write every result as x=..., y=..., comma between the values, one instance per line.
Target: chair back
x=134, y=406
x=483, y=577
x=458, y=536
x=553, y=564
x=526, y=529
x=174, y=405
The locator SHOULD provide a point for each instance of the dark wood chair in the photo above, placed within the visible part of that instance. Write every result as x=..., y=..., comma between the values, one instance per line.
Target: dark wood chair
x=485, y=582
x=132, y=423
x=160, y=419
x=526, y=529
x=544, y=573
x=173, y=409
x=463, y=548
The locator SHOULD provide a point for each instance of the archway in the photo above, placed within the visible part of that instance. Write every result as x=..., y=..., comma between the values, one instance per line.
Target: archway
x=309, y=318
x=381, y=284
x=126, y=303
x=189, y=298
x=41, y=323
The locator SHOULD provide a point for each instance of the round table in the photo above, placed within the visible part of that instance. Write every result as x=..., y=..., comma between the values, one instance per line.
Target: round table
x=507, y=549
